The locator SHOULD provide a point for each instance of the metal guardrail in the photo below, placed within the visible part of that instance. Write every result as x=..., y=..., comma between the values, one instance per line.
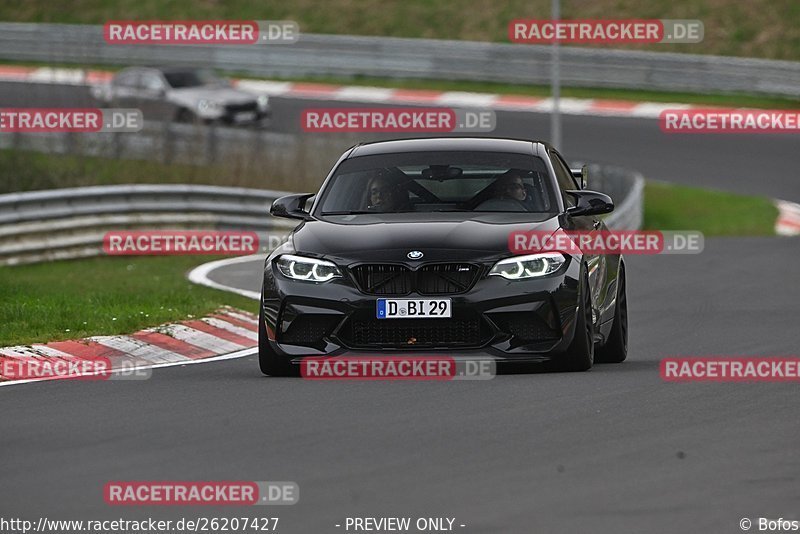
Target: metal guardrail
x=391, y=57
x=626, y=188
x=70, y=223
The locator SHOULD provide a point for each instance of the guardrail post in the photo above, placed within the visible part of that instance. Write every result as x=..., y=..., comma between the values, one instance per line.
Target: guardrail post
x=212, y=143
x=167, y=142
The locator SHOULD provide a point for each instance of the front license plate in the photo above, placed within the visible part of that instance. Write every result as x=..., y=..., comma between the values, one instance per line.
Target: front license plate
x=245, y=116
x=414, y=309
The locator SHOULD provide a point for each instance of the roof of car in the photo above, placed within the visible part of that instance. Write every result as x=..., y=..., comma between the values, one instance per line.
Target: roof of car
x=483, y=144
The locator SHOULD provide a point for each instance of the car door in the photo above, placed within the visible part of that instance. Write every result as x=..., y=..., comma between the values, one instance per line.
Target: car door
x=125, y=89
x=153, y=96
x=597, y=264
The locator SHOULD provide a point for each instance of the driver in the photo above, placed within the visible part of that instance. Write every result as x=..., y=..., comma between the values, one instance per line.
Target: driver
x=384, y=194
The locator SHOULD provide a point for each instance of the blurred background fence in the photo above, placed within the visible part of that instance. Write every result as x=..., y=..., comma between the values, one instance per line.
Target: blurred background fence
x=391, y=57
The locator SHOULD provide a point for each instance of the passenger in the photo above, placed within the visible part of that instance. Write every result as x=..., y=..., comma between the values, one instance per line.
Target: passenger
x=511, y=186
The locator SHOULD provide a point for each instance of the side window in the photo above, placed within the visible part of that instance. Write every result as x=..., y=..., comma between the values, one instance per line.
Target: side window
x=151, y=82
x=575, y=183
x=127, y=79
x=564, y=177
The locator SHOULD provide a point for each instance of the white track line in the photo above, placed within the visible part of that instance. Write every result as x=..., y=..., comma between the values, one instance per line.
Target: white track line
x=231, y=356
x=199, y=275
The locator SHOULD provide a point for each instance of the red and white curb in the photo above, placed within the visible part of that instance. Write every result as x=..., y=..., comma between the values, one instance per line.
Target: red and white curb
x=226, y=334
x=788, y=222
x=379, y=95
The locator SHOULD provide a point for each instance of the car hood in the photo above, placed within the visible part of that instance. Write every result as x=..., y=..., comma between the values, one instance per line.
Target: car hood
x=481, y=238
x=224, y=95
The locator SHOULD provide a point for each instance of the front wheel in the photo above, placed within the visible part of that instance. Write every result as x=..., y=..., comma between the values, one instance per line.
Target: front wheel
x=271, y=363
x=184, y=116
x=616, y=348
x=580, y=354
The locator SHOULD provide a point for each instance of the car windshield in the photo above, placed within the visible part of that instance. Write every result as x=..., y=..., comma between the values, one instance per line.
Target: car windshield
x=439, y=182
x=192, y=78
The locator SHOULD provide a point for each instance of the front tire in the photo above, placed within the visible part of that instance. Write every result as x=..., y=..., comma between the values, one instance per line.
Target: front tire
x=616, y=348
x=271, y=363
x=580, y=354
x=184, y=116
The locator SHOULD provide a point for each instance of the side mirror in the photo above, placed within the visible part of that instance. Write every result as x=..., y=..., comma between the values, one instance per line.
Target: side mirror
x=590, y=203
x=581, y=174
x=290, y=207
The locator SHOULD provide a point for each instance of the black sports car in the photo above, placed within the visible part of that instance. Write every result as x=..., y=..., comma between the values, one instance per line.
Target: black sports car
x=405, y=251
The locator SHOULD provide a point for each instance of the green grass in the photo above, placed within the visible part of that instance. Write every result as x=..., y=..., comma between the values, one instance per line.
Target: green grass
x=754, y=28
x=715, y=213
x=79, y=298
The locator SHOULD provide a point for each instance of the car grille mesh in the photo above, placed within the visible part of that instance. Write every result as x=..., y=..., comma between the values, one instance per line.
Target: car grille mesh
x=434, y=279
x=525, y=327
x=415, y=332
x=241, y=108
x=309, y=328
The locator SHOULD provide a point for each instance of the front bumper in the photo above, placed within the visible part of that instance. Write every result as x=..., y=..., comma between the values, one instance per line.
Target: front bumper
x=522, y=320
x=234, y=114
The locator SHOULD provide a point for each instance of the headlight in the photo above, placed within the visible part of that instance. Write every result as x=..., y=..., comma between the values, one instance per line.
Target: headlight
x=533, y=266
x=262, y=101
x=209, y=105
x=308, y=269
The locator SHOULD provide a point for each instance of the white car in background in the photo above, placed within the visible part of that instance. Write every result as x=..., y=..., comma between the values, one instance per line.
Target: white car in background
x=183, y=95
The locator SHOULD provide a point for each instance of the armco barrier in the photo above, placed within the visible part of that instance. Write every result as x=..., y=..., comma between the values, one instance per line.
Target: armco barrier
x=391, y=57
x=626, y=188
x=70, y=223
